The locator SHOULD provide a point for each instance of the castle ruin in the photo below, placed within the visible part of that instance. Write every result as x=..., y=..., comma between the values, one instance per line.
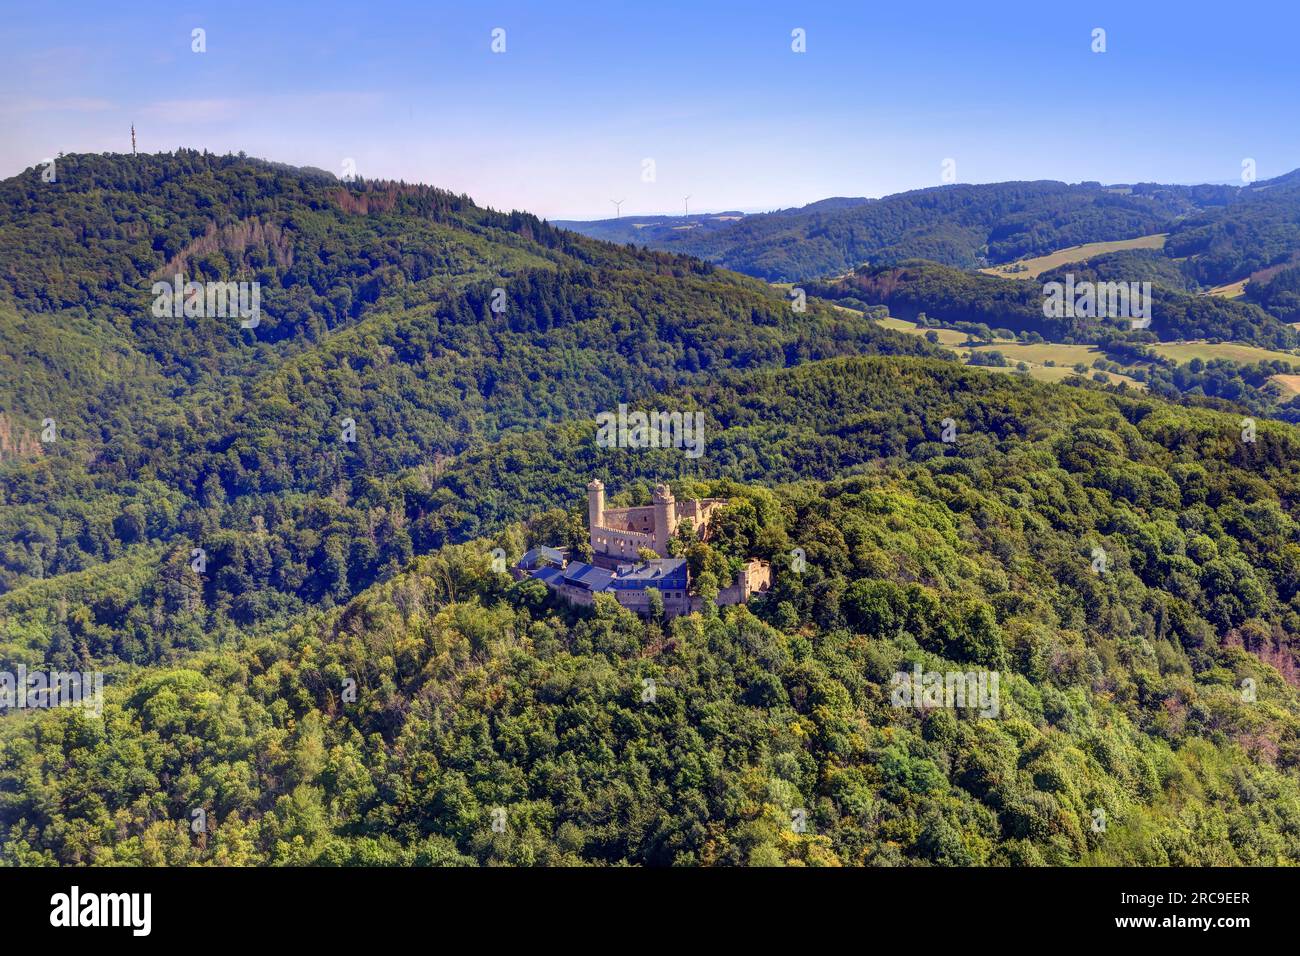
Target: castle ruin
x=620, y=533
x=617, y=536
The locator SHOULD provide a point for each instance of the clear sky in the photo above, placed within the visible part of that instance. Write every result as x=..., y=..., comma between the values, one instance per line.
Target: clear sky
x=561, y=122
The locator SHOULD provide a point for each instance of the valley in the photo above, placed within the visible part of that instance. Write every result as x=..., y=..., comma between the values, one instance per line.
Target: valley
x=283, y=542
x=481, y=459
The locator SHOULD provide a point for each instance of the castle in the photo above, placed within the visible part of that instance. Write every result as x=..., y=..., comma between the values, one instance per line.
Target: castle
x=618, y=536
x=622, y=532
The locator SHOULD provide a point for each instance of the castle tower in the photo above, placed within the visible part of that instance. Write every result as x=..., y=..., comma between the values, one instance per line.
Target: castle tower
x=595, y=506
x=665, y=518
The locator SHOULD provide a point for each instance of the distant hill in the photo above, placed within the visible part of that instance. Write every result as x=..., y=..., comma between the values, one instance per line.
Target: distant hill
x=1258, y=229
x=1220, y=237
x=652, y=231
x=966, y=226
x=950, y=296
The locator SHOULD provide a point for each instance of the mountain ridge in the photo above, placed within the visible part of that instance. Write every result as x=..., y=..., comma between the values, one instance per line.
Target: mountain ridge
x=845, y=237
x=306, y=633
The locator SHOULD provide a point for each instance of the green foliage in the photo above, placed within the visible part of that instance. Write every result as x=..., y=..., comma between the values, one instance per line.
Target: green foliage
x=1259, y=229
x=197, y=434
x=958, y=225
x=492, y=724
x=962, y=299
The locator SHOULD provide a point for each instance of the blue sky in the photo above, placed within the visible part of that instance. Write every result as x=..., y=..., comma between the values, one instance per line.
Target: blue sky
x=561, y=122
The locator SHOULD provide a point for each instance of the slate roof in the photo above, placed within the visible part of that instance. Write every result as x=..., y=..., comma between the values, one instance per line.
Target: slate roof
x=537, y=556
x=549, y=576
x=587, y=576
x=666, y=574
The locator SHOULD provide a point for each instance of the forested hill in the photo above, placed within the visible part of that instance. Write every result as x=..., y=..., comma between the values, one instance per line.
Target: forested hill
x=1259, y=230
x=377, y=307
x=465, y=353
x=958, y=225
x=1149, y=712
x=947, y=295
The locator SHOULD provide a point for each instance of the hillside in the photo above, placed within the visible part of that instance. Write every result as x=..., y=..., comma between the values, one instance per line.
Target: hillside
x=377, y=307
x=1258, y=229
x=1032, y=268
x=965, y=226
x=470, y=350
x=650, y=230
x=947, y=295
x=1121, y=697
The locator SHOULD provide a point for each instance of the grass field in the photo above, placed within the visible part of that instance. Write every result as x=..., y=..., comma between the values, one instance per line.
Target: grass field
x=1040, y=264
x=948, y=337
x=1186, y=351
x=1043, y=352
x=1035, y=355
x=1290, y=384
x=1182, y=352
x=1233, y=290
x=1065, y=357
x=1056, y=374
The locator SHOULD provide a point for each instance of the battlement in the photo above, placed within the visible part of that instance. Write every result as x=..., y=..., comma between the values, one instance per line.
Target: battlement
x=621, y=532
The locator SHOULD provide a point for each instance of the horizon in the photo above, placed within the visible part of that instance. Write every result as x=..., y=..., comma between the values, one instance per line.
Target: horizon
x=752, y=211
x=561, y=121
x=607, y=440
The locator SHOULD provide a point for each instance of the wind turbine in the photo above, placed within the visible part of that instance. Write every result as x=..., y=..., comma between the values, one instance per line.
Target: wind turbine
x=687, y=201
x=618, y=207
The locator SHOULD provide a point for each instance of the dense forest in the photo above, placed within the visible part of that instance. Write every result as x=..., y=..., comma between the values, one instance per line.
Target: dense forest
x=1158, y=694
x=950, y=296
x=1278, y=294
x=1135, y=265
x=1259, y=229
x=203, y=434
x=958, y=225
x=345, y=678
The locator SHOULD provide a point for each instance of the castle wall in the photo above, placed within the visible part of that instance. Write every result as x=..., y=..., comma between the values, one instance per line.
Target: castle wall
x=676, y=603
x=754, y=578
x=699, y=511
x=575, y=595
x=621, y=532
x=637, y=519
x=620, y=543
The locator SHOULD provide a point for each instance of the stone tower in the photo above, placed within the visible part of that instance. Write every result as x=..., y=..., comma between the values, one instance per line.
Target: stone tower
x=595, y=505
x=665, y=517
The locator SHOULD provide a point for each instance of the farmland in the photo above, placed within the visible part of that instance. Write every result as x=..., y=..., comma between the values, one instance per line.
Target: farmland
x=1033, y=268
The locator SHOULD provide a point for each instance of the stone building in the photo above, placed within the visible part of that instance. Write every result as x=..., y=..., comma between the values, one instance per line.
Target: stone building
x=754, y=578
x=620, y=533
x=617, y=534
